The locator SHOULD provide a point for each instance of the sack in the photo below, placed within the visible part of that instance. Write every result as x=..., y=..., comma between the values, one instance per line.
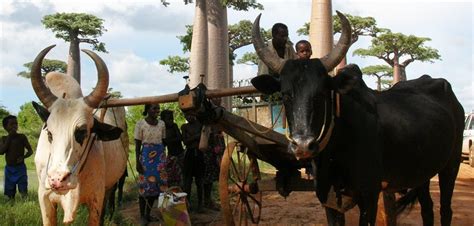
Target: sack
x=204, y=140
x=173, y=208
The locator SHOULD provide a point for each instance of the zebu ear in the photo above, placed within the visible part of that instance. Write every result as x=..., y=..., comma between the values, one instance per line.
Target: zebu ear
x=106, y=132
x=266, y=84
x=41, y=111
x=346, y=78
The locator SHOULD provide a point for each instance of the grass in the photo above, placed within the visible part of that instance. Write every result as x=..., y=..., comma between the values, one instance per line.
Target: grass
x=27, y=211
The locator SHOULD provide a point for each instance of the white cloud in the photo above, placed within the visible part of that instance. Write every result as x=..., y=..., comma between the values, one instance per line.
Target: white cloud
x=134, y=76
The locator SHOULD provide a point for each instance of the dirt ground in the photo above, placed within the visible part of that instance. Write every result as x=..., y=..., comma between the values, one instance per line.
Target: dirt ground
x=303, y=208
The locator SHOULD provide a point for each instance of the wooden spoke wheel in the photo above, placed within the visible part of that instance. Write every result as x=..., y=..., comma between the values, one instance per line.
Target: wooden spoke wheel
x=241, y=200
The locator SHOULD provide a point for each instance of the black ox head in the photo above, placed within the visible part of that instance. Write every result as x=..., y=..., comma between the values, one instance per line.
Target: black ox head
x=307, y=91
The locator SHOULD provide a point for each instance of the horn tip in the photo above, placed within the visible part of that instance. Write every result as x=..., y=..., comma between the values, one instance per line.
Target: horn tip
x=86, y=51
x=47, y=49
x=257, y=20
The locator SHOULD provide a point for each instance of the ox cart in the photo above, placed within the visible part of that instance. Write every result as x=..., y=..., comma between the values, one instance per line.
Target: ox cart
x=240, y=182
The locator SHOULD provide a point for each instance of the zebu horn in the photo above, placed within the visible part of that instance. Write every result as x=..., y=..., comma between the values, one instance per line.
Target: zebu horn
x=270, y=59
x=44, y=94
x=331, y=60
x=100, y=90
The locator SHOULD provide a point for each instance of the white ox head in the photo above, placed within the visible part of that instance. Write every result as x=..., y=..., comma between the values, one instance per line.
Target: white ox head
x=70, y=126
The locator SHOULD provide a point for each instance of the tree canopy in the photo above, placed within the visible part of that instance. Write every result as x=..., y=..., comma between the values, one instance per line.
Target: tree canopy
x=77, y=26
x=379, y=71
x=249, y=58
x=234, y=4
x=240, y=35
x=46, y=67
x=361, y=26
x=176, y=64
x=399, y=50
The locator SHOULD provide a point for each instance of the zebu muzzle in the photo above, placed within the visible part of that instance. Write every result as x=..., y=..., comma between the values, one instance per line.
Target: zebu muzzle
x=304, y=147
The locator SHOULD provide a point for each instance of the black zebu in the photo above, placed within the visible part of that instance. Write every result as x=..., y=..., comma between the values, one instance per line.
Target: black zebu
x=391, y=140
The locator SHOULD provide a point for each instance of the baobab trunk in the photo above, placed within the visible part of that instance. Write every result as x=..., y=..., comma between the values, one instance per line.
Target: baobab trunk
x=320, y=28
x=218, y=64
x=74, y=60
x=199, y=45
x=398, y=71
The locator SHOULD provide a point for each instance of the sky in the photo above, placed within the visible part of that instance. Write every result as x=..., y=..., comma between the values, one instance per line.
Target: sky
x=140, y=33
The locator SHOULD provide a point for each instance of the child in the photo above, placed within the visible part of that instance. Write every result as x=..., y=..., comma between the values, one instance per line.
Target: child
x=193, y=159
x=13, y=146
x=303, y=50
x=173, y=142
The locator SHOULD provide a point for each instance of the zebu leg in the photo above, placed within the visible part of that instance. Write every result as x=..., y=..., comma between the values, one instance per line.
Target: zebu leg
x=109, y=202
x=447, y=179
x=426, y=204
x=48, y=209
x=368, y=208
x=70, y=204
x=334, y=217
x=95, y=206
x=389, y=204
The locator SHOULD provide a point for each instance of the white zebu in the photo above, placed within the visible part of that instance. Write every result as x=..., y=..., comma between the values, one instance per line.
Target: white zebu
x=73, y=165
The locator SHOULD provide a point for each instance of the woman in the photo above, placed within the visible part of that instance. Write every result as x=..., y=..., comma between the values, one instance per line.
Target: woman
x=151, y=159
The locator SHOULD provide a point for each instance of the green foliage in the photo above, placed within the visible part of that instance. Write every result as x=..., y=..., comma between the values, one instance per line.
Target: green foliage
x=240, y=35
x=361, y=26
x=178, y=114
x=395, y=46
x=378, y=70
x=242, y=5
x=3, y=113
x=21, y=211
x=26, y=211
x=249, y=59
x=176, y=64
x=134, y=114
x=46, y=67
x=235, y=4
x=113, y=93
x=29, y=123
x=79, y=27
x=187, y=38
x=303, y=30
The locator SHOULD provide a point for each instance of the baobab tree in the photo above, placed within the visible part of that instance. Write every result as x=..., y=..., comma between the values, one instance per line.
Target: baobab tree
x=398, y=51
x=76, y=28
x=47, y=66
x=379, y=71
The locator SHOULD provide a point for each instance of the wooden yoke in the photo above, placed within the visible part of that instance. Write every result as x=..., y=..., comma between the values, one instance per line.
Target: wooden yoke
x=173, y=97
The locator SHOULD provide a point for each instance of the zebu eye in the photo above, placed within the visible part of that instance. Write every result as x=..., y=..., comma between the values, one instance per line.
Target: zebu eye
x=80, y=134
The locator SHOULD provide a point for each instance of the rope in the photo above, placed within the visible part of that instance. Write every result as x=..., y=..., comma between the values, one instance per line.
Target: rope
x=268, y=129
x=125, y=149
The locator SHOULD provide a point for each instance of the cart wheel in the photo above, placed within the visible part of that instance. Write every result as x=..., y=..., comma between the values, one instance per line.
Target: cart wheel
x=241, y=201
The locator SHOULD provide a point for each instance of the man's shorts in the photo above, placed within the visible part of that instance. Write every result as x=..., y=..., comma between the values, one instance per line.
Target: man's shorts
x=15, y=175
